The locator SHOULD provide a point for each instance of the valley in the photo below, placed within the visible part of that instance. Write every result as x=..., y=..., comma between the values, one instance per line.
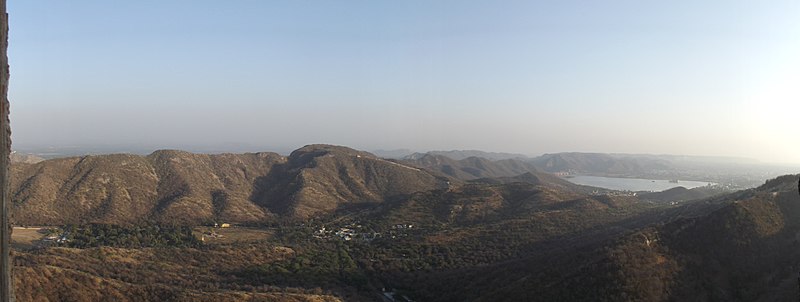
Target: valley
x=331, y=223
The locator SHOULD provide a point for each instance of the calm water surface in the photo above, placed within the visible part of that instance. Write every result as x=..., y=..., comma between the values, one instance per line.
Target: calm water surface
x=634, y=184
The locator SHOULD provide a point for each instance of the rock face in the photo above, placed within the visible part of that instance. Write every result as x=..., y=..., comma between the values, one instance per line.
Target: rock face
x=171, y=186
x=6, y=288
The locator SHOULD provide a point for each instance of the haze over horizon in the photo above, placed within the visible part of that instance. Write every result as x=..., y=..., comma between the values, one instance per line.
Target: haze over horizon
x=54, y=151
x=717, y=78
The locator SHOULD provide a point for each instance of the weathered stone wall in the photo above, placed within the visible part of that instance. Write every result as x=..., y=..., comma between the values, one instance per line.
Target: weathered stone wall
x=5, y=152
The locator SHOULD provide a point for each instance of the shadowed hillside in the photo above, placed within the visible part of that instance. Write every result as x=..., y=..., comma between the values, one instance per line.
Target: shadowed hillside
x=738, y=247
x=744, y=249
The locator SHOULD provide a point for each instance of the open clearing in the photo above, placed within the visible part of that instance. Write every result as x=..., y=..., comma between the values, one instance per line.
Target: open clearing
x=31, y=237
x=232, y=234
x=26, y=238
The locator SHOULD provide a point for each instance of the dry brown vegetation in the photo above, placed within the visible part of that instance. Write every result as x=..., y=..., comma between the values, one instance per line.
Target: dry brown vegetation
x=171, y=274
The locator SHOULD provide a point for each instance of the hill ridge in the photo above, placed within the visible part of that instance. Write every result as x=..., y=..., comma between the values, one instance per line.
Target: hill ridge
x=175, y=186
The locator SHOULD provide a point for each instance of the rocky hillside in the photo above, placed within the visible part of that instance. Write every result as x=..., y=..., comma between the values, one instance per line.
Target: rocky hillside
x=170, y=186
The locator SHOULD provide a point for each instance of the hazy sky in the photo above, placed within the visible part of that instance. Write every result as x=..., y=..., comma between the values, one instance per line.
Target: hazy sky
x=679, y=77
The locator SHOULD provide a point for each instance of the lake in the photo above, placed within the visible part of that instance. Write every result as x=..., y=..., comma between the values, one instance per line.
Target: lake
x=634, y=184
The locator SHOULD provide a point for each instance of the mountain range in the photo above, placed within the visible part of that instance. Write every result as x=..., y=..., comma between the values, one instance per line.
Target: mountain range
x=171, y=186
x=187, y=188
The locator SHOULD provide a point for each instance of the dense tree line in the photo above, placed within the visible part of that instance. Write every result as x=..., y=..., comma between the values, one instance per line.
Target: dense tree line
x=95, y=235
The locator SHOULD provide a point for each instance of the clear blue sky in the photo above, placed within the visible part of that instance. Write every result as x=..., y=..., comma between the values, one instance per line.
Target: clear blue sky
x=680, y=77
